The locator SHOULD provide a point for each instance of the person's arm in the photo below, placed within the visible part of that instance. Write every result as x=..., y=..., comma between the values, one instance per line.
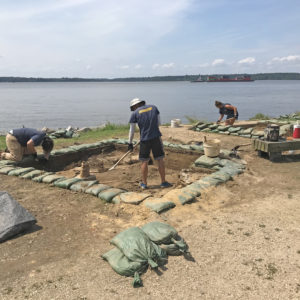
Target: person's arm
x=131, y=135
x=220, y=118
x=233, y=108
x=30, y=147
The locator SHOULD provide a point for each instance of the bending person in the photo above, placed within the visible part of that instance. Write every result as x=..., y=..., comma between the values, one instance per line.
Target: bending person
x=23, y=141
x=148, y=119
x=229, y=110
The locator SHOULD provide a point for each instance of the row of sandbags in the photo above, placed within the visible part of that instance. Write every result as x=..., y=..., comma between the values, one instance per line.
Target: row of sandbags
x=238, y=131
x=138, y=248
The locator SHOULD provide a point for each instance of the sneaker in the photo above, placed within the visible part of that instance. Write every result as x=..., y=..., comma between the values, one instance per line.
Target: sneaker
x=143, y=186
x=165, y=184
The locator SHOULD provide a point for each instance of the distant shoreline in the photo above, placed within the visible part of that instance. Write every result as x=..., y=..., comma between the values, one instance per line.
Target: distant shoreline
x=258, y=76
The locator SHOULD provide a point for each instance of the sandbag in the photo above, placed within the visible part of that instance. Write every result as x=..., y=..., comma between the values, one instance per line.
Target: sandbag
x=162, y=233
x=6, y=170
x=32, y=174
x=125, y=267
x=109, y=194
x=207, y=162
x=133, y=198
x=21, y=171
x=81, y=186
x=52, y=178
x=14, y=218
x=66, y=183
x=41, y=177
x=159, y=205
x=7, y=163
x=96, y=189
x=136, y=246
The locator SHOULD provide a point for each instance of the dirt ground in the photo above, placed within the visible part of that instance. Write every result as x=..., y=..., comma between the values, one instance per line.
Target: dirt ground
x=127, y=174
x=244, y=237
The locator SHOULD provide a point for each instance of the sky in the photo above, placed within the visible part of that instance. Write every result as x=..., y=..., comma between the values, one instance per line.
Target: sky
x=125, y=38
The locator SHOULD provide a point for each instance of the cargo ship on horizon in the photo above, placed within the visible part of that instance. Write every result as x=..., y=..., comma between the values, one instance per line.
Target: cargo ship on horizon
x=224, y=78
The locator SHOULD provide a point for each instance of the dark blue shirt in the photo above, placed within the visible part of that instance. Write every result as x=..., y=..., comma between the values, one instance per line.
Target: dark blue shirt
x=146, y=117
x=227, y=111
x=23, y=135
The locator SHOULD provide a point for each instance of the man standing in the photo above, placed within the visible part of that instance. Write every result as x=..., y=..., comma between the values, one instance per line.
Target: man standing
x=23, y=141
x=229, y=110
x=148, y=119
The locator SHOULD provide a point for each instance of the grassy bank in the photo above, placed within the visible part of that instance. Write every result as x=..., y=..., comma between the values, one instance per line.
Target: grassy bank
x=109, y=131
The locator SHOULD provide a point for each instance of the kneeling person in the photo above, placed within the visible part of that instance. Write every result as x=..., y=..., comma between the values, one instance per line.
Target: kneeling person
x=148, y=120
x=23, y=141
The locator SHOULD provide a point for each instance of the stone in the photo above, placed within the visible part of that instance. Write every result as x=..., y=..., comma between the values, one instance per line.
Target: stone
x=133, y=198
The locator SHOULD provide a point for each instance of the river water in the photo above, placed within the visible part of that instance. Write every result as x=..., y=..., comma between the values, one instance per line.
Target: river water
x=57, y=105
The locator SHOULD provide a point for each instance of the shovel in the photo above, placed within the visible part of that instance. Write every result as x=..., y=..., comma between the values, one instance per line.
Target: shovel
x=114, y=166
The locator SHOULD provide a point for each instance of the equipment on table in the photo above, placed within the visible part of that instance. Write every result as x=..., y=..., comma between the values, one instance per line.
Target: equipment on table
x=296, y=133
x=114, y=166
x=271, y=133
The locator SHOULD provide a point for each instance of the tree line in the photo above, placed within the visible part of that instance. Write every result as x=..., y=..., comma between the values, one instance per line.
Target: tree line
x=258, y=76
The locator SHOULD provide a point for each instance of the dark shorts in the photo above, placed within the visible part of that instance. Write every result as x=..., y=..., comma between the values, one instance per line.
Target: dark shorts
x=230, y=116
x=155, y=145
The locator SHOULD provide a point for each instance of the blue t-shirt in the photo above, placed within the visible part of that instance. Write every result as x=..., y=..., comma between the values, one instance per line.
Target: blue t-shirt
x=23, y=135
x=227, y=111
x=146, y=117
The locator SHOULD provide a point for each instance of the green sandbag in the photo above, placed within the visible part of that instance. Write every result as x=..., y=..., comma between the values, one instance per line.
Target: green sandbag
x=63, y=151
x=96, y=189
x=65, y=184
x=81, y=186
x=109, y=194
x=6, y=170
x=206, y=130
x=160, y=206
x=172, y=249
x=213, y=126
x=191, y=191
x=197, y=148
x=207, y=162
x=162, y=233
x=32, y=174
x=186, y=197
x=52, y=178
x=222, y=176
x=21, y=171
x=136, y=246
x=202, y=126
x=123, y=266
x=234, y=129
x=212, y=181
x=41, y=177
x=7, y=163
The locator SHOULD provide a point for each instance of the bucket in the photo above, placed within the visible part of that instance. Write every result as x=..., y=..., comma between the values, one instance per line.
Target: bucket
x=212, y=147
x=174, y=123
x=296, y=133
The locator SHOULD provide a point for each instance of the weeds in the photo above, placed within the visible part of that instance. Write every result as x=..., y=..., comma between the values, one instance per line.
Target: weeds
x=260, y=116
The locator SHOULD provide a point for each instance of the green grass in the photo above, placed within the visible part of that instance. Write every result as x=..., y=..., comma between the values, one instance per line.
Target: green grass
x=109, y=131
x=260, y=116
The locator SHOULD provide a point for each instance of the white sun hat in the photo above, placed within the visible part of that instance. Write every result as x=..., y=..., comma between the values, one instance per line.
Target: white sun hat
x=135, y=101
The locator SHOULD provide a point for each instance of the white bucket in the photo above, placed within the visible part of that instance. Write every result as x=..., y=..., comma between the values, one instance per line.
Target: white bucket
x=174, y=123
x=212, y=147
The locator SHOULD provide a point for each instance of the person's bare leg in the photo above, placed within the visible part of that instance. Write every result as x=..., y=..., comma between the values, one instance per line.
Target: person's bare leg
x=161, y=170
x=144, y=169
x=230, y=121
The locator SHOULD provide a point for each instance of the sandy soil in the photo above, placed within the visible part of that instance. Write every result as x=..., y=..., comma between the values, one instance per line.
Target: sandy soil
x=244, y=237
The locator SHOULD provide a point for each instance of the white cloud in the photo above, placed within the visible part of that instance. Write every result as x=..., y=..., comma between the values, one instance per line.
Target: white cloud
x=124, y=67
x=218, y=62
x=290, y=58
x=247, y=60
x=155, y=66
x=138, y=66
x=169, y=65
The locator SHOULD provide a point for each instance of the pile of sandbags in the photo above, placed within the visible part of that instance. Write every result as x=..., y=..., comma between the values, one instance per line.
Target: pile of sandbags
x=137, y=248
